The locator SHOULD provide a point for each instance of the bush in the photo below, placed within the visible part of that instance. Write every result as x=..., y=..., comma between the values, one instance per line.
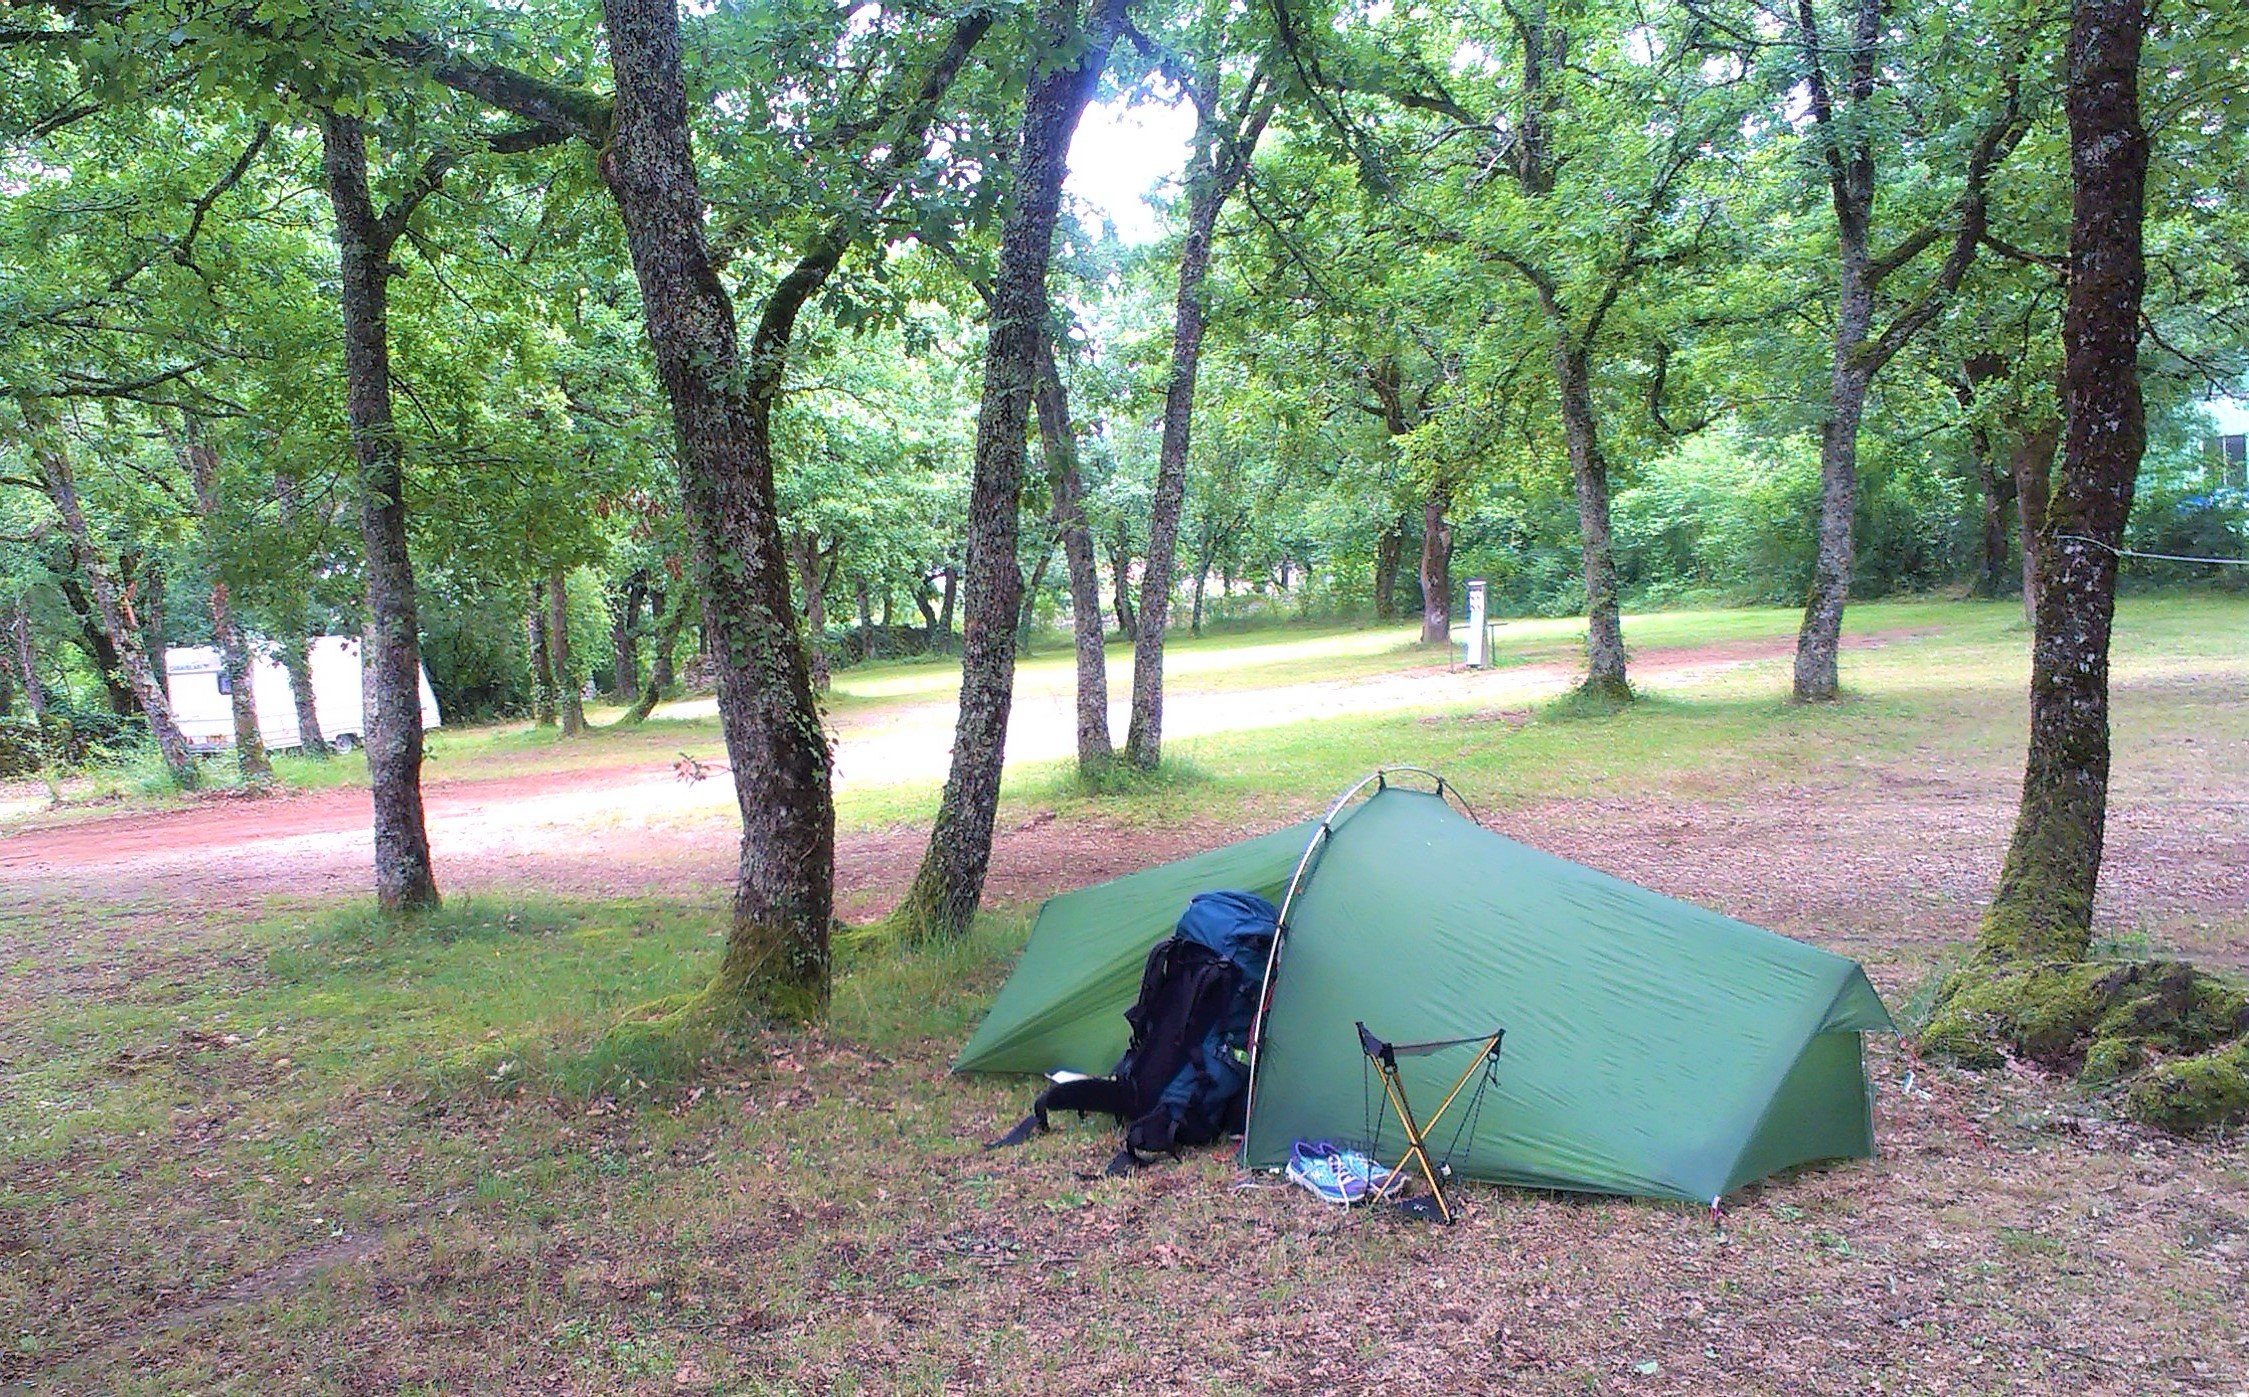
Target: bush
x=2188, y=520
x=23, y=749
x=91, y=736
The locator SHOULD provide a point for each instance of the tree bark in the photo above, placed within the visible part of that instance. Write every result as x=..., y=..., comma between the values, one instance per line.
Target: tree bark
x=2031, y=462
x=296, y=641
x=404, y=878
x=1120, y=580
x=1436, y=567
x=96, y=642
x=543, y=713
x=660, y=663
x=950, y=882
x=234, y=650
x=1221, y=157
x=804, y=551
x=27, y=661
x=1389, y=547
x=296, y=660
x=1819, y=638
x=568, y=691
x=111, y=607
x=1058, y=442
x=624, y=618
x=1604, y=622
x=1026, y=610
x=2043, y=908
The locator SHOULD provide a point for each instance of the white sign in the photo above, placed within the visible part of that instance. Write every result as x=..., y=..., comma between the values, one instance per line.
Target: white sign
x=1476, y=656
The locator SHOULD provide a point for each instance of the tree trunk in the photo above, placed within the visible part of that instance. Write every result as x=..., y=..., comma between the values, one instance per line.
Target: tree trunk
x=1991, y=577
x=111, y=607
x=1027, y=611
x=1436, y=567
x=404, y=878
x=97, y=644
x=568, y=690
x=660, y=663
x=1993, y=486
x=1604, y=621
x=929, y=618
x=296, y=641
x=1820, y=637
x=1389, y=547
x=804, y=551
x=777, y=947
x=1120, y=579
x=542, y=660
x=2032, y=465
x=624, y=617
x=951, y=593
x=296, y=658
x=234, y=651
x=27, y=661
x=1220, y=159
x=866, y=610
x=1058, y=440
x=2043, y=909
x=950, y=882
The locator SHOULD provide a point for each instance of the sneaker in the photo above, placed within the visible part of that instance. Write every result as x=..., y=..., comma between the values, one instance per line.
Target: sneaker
x=1341, y=1177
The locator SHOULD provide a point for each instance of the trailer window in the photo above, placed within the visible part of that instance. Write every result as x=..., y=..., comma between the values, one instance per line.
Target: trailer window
x=225, y=686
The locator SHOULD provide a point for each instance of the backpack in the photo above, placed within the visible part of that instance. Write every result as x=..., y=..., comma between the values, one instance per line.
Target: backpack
x=1184, y=1078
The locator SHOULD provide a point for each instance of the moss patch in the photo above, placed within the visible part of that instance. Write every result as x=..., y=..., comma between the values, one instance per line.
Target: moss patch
x=2194, y=1093
x=2103, y=1022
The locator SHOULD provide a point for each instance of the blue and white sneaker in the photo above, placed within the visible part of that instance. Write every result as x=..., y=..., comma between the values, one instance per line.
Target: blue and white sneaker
x=1332, y=1175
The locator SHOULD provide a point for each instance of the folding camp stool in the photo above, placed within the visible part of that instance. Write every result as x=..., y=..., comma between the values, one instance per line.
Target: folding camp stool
x=1384, y=1057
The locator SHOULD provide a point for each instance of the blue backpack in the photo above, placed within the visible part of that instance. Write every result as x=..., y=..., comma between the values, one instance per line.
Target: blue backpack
x=1184, y=1078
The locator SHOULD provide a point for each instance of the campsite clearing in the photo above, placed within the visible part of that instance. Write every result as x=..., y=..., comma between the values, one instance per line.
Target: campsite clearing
x=251, y=1142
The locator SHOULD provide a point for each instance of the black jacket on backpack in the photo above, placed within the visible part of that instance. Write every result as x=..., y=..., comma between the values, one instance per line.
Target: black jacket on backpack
x=1184, y=1078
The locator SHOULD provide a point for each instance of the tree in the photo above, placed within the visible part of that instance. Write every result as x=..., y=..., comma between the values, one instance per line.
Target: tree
x=1088, y=632
x=1227, y=130
x=113, y=604
x=950, y=881
x=1850, y=124
x=405, y=879
x=202, y=461
x=2031, y=986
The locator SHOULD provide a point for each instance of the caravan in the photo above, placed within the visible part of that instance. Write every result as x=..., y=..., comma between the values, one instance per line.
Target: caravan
x=196, y=683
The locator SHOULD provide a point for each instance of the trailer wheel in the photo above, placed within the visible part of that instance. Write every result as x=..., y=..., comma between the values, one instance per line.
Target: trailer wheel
x=344, y=742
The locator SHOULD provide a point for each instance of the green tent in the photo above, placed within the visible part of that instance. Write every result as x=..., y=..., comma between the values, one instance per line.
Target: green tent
x=1653, y=1048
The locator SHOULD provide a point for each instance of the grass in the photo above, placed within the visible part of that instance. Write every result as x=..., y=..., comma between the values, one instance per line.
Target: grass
x=320, y=1152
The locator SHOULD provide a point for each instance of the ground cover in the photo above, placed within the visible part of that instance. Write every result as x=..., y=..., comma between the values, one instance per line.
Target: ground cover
x=252, y=1141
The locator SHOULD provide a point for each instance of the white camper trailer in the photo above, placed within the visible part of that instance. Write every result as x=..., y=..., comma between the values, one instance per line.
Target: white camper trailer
x=196, y=683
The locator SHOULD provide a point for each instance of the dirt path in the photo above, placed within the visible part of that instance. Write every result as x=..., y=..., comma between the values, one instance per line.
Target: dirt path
x=615, y=816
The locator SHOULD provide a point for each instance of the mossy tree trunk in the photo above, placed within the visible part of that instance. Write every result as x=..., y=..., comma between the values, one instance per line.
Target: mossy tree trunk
x=2043, y=908
x=2173, y=1036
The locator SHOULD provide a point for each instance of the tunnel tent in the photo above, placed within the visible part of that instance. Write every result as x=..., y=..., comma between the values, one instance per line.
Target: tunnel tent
x=1653, y=1048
